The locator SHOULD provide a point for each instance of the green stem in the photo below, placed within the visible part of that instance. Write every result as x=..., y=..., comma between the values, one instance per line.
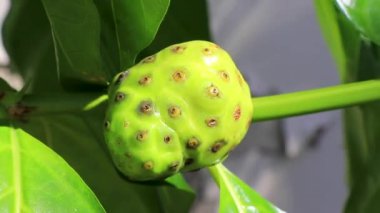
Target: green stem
x=51, y=103
x=265, y=108
x=316, y=100
x=214, y=171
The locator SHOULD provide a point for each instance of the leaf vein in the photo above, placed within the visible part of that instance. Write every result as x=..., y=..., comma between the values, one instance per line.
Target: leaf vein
x=16, y=170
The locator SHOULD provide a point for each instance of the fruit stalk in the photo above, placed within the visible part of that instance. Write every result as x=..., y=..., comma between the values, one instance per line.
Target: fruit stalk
x=315, y=100
x=265, y=108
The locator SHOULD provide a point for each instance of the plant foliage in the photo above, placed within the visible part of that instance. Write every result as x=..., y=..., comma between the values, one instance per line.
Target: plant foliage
x=357, y=59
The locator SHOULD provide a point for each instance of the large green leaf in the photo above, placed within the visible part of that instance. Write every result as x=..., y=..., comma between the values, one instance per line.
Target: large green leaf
x=237, y=196
x=78, y=139
x=362, y=62
x=100, y=38
x=127, y=28
x=362, y=125
x=75, y=26
x=92, y=39
x=342, y=39
x=181, y=24
x=28, y=41
x=35, y=179
x=136, y=24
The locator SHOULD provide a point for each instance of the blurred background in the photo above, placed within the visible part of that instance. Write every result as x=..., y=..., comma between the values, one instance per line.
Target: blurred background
x=297, y=163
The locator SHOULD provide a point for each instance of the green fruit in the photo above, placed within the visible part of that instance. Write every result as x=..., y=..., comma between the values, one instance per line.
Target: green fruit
x=182, y=109
x=365, y=15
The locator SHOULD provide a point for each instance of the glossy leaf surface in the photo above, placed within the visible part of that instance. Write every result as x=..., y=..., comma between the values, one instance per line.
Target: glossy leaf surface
x=29, y=44
x=365, y=15
x=181, y=24
x=136, y=23
x=237, y=196
x=75, y=26
x=362, y=122
x=76, y=137
x=35, y=179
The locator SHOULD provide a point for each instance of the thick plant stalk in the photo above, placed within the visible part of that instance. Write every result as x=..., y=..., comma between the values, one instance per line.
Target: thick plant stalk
x=265, y=108
x=316, y=100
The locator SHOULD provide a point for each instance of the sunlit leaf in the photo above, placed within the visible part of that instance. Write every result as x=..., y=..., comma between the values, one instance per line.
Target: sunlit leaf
x=78, y=138
x=35, y=179
x=237, y=196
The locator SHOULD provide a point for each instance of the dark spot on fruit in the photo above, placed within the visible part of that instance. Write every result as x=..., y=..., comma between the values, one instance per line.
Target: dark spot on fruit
x=142, y=135
x=237, y=113
x=178, y=49
x=179, y=76
x=212, y=122
x=218, y=145
x=146, y=107
x=224, y=75
x=174, y=111
x=167, y=139
x=126, y=124
x=127, y=155
x=213, y=91
x=174, y=166
x=121, y=77
x=192, y=143
x=189, y=161
x=207, y=51
x=107, y=124
x=119, y=96
x=149, y=59
x=145, y=80
x=148, y=165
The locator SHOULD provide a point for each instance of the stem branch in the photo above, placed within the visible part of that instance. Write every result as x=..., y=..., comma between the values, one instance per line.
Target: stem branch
x=315, y=100
x=265, y=108
x=50, y=103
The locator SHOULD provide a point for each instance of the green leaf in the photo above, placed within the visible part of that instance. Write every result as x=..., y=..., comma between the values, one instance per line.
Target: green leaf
x=362, y=62
x=78, y=138
x=28, y=41
x=92, y=40
x=75, y=26
x=35, y=179
x=237, y=196
x=136, y=24
x=365, y=15
x=181, y=24
x=341, y=37
x=363, y=141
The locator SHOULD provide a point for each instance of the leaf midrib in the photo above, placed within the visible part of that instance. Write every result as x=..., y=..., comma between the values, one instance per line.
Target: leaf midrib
x=16, y=170
x=230, y=189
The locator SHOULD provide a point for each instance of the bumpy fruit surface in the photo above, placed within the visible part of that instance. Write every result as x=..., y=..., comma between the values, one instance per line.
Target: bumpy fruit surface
x=182, y=109
x=365, y=15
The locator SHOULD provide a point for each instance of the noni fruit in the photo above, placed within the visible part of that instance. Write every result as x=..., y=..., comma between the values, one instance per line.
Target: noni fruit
x=184, y=108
